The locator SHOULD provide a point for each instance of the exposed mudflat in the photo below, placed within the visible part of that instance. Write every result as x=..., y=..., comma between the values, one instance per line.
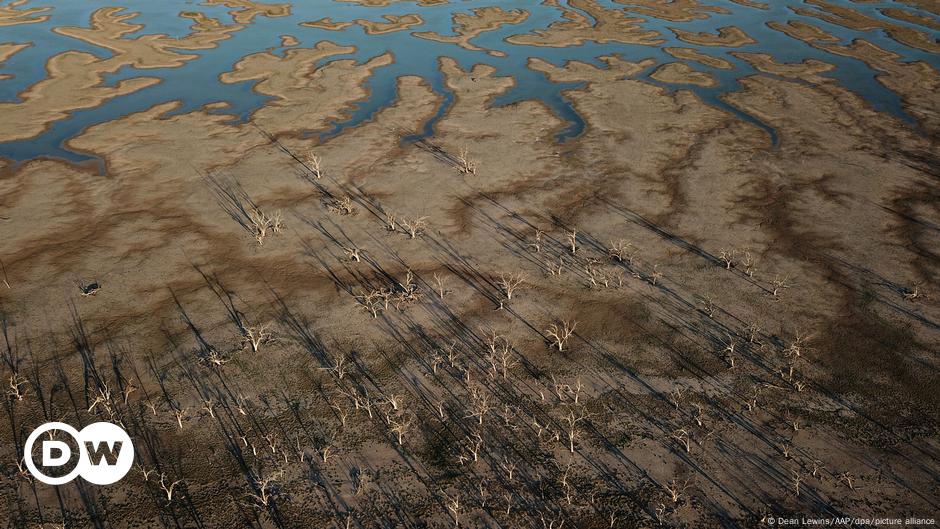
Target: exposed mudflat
x=754, y=318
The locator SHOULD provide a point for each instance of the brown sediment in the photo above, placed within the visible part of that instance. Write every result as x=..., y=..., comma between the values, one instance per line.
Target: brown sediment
x=641, y=119
x=852, y=19
x=201, y=22
x=74, y=79
x=752, y=3
x=385, y=3
x=109, y=26
x=11, y=16
x=728, y=36
x=394, y=23
x=327, y=23
x=8, y=50
x=682, y=73
x=917, y=83
x=912, y=18
x=691, y=54
x=74, y=82
x=926, y=5
x=806, y=70
x=469, y=26
x=245, y=11
x=844, y=204
x=288, y=41
x=291, y=77
x=609, y=25
x=803, y=31
x=675, y=11
x=573, y=71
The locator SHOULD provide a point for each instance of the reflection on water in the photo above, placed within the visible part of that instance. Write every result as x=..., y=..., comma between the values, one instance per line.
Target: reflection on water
x=196, y=83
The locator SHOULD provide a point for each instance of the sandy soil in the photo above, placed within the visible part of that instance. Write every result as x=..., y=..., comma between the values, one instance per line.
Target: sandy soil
x=470, y=26
x=677, y=11
x=729, y=36
x=690, y=54
x=245, y=11
x=609, y=25
x=681, y=73
x=13, y=14
x=755, y=328
x=7, y=51
x=328, y=24
x=850, y=18
x=75, y=79
x=395, y=23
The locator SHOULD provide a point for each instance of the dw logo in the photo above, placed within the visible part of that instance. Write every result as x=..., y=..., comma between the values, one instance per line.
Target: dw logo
x=105, y=453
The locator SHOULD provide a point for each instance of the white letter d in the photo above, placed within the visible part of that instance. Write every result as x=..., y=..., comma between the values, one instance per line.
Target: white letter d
x=63, y=456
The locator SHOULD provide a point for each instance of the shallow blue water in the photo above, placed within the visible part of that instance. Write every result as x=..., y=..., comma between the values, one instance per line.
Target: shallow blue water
x=196, y=83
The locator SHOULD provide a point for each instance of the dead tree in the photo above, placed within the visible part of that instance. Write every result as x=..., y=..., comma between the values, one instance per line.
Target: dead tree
x=390, y=222
x=727, y=257
x=264, y=488
x=439, y=281
x=15, y=390
x=749, y=264
x=3, y=271
x=573, y=422
x=509, y=282
x=537, y=243
x=373, y=301
x=676, y=489
x=778, y=284
x=313, y=162
x=479, y=404
x=453, y=505
x=572, y=237
x=341, y=206
x=559, y=335
x=465, y=164
x=353, y=254
x=655, y=275
x=255, y=336
x=168, y=487
x=683, y=437
x=911, y=294
x=414, y=226
x=400, y=427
